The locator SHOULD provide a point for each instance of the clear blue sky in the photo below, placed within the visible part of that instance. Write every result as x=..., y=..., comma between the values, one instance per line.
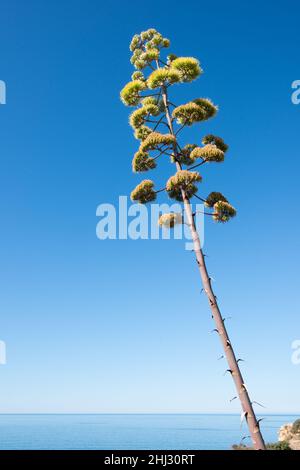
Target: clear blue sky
x=119, y=326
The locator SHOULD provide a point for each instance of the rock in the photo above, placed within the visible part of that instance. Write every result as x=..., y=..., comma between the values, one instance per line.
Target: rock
x=295, y=443
x=290, y=433
x=285, y=432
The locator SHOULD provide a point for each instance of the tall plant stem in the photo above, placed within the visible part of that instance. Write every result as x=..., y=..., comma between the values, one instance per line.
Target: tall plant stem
x=248, y=412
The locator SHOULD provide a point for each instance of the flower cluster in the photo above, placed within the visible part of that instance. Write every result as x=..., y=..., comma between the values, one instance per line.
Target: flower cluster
x=142, y=132
x=161, y=77
x=137, y=117
x=145, y=47
x=142, y=162
x=130, y=94
x=223, y=211
x=214, y=197
x=144, y=192
x=185, y=180
x=188, y=67
x=170, y=58
x=197, y=110
x=169, y=220
x=209, y=109
x=208, y=153
x=155, y=139
x=152, y=105
x=184, y=157
x=149, y=107
x=138, y=75
x=217, y=141
x=187, y=114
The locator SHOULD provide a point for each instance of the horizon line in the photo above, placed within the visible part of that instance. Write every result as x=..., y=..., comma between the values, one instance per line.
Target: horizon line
x=145, y=413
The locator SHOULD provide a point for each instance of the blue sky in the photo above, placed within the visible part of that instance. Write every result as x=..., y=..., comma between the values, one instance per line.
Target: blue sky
x=119, y=325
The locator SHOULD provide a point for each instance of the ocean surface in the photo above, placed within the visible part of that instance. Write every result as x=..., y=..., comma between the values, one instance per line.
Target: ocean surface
x=130, y=431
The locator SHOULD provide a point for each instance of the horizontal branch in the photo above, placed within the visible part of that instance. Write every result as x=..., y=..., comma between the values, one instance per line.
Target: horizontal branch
x=156, y=122
x=161, y=151
x=200, y=198
x=202, y=212
x=198, y=164
x=180, y=129
x=162, y=62
x=150, y=96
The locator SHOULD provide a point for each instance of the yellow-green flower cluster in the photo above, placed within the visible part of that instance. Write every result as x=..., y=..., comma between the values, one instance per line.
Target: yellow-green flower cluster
x=156, y=139
x=169, y=220
x=198, y=110
x=188, y=67
x=135, y=42
x=142, y=162
x=130, y=94
x=140, y=59
x=144, y=192
x=138, y=75
x=214, y=197
x=145, y=47
x=209, y=153
x=217, y=141
x=136, y=59
x=187, y=114
x=183, y=179
x=170, y=58
x=161, y=77
x=149, y=100
x=184, y=157
x=137, y=117
x=209, y=109
x=151, y=105
x=223, y=211
x=142, y=132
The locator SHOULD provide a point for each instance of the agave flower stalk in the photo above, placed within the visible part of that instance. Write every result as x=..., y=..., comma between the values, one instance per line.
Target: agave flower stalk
x=216, y=313
x=146, y=49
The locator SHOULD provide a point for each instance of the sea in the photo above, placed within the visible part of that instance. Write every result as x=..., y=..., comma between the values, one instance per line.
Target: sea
x=131, y=431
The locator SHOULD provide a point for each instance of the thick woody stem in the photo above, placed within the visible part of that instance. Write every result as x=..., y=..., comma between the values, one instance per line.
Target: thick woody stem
x=253, y=424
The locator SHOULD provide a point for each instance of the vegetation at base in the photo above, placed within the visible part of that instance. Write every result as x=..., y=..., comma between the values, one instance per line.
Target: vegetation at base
x=282, y=445
x=296, y=426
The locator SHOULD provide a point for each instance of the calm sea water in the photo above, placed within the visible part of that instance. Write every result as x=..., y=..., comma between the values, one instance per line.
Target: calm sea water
x=136, y=431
